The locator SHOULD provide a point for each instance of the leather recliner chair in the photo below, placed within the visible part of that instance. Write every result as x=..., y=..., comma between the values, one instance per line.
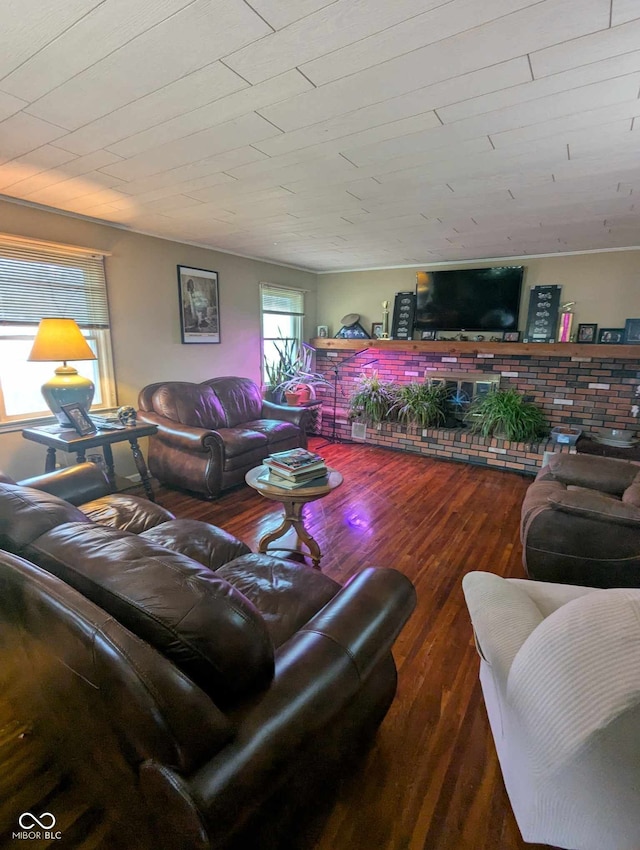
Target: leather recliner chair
x=580, y=522
x=211, y=434
x=215, y=702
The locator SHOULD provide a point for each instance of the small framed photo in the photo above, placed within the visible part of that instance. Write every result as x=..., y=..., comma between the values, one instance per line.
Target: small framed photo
x=611, y=336
x=587, y=332
x=77, y=415
x=428, y=335
x=511, y=336
x=199, y=305
x=376, y=330
x=322, y=331
x=632, y=332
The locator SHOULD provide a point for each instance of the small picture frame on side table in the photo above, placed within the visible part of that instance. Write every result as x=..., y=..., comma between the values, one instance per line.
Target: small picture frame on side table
x=428, y=335
x=77, y=415
x=376, y=330
x=586, y=332
x=611, y=336
x=511, y=336
x=632, y=332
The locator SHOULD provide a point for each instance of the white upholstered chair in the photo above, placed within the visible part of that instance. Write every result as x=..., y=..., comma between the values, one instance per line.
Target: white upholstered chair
x=560, y=673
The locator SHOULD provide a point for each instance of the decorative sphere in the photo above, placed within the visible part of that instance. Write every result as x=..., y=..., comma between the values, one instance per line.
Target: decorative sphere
x=127, y=415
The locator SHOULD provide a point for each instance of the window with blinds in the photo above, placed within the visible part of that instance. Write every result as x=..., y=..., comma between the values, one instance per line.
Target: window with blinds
x=39, y=281
x=282, y=318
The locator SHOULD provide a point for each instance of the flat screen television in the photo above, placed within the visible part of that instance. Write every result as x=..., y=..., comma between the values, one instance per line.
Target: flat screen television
x=469, y=299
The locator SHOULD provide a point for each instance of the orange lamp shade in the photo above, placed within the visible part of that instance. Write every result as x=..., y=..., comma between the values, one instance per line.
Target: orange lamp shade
x=60, y=339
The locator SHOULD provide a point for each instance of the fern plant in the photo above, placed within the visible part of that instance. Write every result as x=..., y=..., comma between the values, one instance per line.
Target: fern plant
x=507, y=414
x=422, y=405
x=373, y=399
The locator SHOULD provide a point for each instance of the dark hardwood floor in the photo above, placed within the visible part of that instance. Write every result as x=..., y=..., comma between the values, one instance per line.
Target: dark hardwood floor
x=431, y=780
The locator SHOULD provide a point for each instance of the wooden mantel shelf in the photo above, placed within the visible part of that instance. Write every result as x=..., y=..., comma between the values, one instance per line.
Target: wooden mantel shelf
x=454, y=348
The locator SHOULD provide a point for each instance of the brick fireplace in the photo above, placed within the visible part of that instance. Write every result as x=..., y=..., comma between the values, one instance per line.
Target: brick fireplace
x=589, y=386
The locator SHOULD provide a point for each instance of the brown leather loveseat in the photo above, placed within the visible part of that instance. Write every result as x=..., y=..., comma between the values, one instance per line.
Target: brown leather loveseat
x=211, y=434
x=211, y=700
x=580, y=522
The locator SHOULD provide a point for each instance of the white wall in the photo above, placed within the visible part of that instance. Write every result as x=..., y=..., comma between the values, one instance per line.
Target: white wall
x=605, y=287
x=143, y=301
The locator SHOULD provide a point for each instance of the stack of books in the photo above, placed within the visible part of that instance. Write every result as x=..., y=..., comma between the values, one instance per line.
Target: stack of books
x=295, y=468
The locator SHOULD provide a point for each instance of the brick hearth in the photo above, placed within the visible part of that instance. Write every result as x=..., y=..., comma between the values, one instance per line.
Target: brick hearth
x=581, y=390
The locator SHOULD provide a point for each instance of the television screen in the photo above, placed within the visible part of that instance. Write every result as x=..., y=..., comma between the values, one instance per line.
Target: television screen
x=469, y=299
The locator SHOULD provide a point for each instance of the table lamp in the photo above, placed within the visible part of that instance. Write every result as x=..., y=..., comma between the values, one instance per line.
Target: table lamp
x=62, y=339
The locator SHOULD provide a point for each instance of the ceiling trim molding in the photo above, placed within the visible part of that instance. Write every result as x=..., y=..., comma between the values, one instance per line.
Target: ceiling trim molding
x=481, y=260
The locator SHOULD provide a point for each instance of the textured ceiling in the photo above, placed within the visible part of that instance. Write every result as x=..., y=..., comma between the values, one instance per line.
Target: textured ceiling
x=333, y=135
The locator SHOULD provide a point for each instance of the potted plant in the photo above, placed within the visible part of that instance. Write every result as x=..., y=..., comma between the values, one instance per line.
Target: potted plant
x=373, y=399
x=298, y=381
x=422, y=405
x=506, y=414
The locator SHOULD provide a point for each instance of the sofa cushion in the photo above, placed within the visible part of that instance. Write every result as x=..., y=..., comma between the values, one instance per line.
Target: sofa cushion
x=240, y=398
x=594, y=505
x=240, y=441
x=129, y=513
x=286, y=593
x=26, y=513
x=631, y=495
x=190, y=404
x=274, y=430
x=200, y=541
x=186, y=611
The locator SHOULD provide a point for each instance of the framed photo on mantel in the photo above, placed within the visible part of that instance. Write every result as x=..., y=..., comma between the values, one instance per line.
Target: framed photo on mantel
x=542, y=318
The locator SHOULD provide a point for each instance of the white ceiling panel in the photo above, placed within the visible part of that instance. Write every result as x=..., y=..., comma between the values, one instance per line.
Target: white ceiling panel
x=107, y=27
x=623, y=11
x=217, y=112
x=29, y=25
x=22, y=133
x=184, y=95
x=440, y=23
x=190, y=39
x=589, y=48
x=330, y=135
x=281, y=13
x=342, y=23
x=234, y=134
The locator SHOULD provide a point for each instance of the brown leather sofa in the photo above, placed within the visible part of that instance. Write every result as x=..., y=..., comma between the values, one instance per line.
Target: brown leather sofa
x=214, y=705
x=580, y=522
x=211, y=434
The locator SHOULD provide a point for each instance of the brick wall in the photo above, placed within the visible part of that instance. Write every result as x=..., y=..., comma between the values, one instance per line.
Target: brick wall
x=587, y=392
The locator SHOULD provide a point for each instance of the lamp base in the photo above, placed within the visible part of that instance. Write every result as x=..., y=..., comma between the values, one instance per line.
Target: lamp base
x=67, y=387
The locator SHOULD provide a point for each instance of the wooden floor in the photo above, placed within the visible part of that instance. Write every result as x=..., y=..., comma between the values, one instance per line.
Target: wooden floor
x=432, y=779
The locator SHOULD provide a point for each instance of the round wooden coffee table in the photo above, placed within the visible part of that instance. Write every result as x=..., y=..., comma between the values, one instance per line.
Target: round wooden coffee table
x=293, y=502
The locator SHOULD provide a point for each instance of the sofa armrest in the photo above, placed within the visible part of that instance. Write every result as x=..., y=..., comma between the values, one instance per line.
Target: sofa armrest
x=77, y=484
x=180, y=436
x=607, y=475
x=296, y=415
x=318, y=671
x=596, y=506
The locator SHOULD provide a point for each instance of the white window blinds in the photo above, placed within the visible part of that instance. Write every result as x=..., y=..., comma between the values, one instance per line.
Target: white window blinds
x=39, y=281
x=280, y=300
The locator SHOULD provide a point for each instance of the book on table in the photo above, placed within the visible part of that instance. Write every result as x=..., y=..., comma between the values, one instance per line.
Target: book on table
x=313, y=469
x=316, y=480
x=294, y=459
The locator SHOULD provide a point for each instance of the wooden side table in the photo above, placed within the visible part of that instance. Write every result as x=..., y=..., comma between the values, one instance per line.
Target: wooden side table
x=293, y=501
x=56, y=437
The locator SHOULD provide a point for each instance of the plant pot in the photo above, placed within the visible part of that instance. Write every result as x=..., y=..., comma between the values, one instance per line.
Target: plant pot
x=293, y=398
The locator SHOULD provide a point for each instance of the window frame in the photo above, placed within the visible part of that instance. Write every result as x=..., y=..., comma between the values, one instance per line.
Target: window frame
x=297, y=318
x=99, y=336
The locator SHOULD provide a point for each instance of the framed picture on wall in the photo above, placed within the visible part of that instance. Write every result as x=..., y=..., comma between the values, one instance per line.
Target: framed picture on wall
x=611, y=336
x=199, y=305
x=587, y=332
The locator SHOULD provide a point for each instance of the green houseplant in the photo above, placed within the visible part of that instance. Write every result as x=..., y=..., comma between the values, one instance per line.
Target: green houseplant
x=506, y=413
x=289, y=374
x=373, y=399
x=422, y=405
